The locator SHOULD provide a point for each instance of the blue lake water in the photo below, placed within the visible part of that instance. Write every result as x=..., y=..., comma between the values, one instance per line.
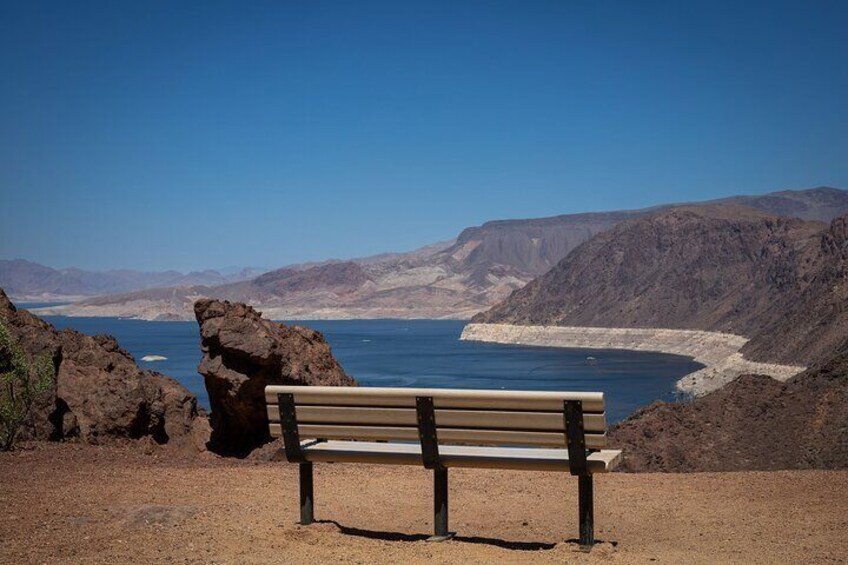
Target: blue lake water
x=424, y=353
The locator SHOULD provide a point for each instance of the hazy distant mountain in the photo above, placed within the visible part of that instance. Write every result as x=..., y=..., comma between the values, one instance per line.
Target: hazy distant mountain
x=454, y=279
x=25, y=279
x=782, y=282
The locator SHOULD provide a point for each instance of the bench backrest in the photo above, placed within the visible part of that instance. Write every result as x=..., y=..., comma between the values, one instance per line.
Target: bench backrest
x=475, y=417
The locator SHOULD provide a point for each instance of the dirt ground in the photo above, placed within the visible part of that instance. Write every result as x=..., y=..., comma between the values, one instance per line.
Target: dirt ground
x=78, y=504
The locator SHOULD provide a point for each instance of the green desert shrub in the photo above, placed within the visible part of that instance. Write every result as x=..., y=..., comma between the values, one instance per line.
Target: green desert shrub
x=21, y=382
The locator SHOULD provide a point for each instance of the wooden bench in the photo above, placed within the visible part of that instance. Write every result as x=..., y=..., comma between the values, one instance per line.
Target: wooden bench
x=444, y=428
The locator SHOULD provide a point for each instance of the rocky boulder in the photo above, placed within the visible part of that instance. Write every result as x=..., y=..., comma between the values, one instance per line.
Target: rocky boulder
x=752, y=423
x=242, y=354
x=99, y=392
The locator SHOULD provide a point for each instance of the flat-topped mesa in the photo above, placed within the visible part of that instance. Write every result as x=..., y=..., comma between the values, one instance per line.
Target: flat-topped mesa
x=242, y=354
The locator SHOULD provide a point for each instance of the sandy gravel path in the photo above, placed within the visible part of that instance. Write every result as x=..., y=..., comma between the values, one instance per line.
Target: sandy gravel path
x=76, y=504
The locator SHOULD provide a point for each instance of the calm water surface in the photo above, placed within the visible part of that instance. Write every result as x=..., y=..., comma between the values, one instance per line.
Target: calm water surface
x=424, y=353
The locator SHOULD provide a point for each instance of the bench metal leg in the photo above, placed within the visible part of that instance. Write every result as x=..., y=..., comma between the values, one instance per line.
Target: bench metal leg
x=440, y=506
x=306, y=497
x=586, y=509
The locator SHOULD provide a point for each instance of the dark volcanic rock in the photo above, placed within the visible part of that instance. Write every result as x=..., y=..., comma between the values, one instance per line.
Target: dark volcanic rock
x=753, y=423
x=810, y=316
x=242, y=354
x=99, y=392
x=781, y=282
x=691, y=268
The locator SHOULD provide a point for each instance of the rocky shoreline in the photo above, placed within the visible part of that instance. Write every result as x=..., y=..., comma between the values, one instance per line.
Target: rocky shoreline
x=718, y=352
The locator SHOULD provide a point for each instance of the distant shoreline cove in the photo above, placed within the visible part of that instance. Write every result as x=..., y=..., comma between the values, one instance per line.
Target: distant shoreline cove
x=718, y=352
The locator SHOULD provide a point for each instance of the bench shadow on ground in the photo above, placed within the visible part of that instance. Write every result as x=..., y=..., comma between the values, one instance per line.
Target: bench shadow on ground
x=402, y=537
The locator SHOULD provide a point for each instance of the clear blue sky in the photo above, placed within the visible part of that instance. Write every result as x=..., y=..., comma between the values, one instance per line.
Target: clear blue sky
x=170, y=135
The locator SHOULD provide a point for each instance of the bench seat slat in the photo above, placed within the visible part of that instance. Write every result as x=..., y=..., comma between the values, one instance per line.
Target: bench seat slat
x=519, y=458
x=442, y=398
x=445, y=435
x=546, y=421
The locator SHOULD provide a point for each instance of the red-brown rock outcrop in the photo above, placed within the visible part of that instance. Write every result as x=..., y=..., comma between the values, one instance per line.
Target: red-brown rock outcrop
x=99, y=392
x=753, y=423
x=242, y=354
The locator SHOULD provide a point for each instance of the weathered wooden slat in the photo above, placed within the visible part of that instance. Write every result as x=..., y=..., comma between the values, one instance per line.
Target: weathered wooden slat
x=488, y=419
x=443, y=398
x=445, y=435
x=459, y=456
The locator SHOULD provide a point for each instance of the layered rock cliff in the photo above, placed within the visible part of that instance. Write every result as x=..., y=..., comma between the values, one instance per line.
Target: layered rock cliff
x=242, y=354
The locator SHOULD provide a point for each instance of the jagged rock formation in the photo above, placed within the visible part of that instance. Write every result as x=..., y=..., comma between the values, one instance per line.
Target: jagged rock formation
x=753, y=423
x=99, y=392
x=808, y=312
x=453, y=280
x=242, y=354
x=781, y=282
